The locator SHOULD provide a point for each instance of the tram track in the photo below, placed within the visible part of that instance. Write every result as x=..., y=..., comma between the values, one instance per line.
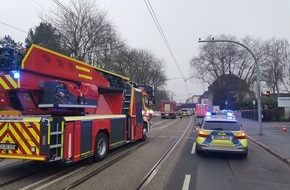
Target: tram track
x=55, y=176
x=104, y=167
x=24, y=176
x=109, y=164
x=147, y=178
x=10, y=164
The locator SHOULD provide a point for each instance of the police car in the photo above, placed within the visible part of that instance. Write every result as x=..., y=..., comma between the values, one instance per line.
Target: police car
x=221, y=133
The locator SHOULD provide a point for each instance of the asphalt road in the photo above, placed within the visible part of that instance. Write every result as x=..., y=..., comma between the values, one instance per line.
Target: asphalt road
x=182, y=169
x=260, y=170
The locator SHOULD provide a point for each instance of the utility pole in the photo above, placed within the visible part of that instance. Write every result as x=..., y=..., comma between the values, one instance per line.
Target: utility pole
x=258, y=77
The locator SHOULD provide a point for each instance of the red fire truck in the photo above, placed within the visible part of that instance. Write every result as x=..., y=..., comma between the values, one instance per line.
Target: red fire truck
x=201, y=109
x=54, y=107
x=168, y=109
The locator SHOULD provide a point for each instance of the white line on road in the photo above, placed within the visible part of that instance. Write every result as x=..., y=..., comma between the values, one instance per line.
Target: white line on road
x=186, y=182
x=193, y=148
x=48, y=178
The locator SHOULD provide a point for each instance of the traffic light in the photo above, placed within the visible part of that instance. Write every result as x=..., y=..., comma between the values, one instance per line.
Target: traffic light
x=268, y=94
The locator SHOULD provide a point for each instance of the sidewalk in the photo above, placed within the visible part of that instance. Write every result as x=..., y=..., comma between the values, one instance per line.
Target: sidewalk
x=276, y=142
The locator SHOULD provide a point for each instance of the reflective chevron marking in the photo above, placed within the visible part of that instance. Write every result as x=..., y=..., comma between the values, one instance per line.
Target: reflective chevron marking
x=7, y=82
x=24, y=134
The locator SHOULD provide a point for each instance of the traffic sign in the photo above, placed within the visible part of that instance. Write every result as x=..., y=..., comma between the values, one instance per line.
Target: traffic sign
x=283, y=101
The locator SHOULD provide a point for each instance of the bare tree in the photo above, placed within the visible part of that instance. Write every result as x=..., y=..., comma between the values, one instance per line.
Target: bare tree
x=276, y=65
x=217, y=59
x=85, y=30
x=88, y=35
x=141, y=66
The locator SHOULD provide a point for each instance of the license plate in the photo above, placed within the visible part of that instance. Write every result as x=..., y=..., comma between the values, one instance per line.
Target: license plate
x=8, y=146
x=223, y=137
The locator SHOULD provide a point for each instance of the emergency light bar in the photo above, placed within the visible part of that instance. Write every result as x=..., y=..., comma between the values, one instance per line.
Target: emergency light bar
x=16, y=74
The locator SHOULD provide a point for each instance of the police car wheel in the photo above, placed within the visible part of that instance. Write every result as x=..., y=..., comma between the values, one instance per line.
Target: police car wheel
x=244, y=155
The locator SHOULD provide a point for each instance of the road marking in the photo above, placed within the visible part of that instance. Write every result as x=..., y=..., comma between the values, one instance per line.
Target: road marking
x=51, y=182
x=186, y=182
x=157, y=123
x=173, y=137
x=193, y=148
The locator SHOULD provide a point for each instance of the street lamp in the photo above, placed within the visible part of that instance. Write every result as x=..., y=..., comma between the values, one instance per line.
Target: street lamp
x=258, y=77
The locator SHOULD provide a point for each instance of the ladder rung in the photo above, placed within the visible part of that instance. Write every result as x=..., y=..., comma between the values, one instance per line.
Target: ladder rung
x=56, y=146
x=56, y=133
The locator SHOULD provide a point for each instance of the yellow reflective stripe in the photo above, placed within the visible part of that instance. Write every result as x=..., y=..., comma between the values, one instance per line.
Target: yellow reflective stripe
x=132, y=98
x=22, y=157
x=117, y=143
x=85, y=76
x=31, y=119
x=62, y=138
x=48, y=135
x=11, y=80
x=5, y=86
x=84, y=153
x=91, y=117
x=123, y=77
x=83, y=69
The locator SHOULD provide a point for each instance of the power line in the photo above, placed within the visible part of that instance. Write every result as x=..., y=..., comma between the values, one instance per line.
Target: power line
x=155, y=19
x=38, y=4
x=13, y=27
x=63, y=7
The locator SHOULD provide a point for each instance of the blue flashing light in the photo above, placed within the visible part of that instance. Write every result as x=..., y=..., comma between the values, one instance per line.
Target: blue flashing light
x=16, y=74
x=230, y=115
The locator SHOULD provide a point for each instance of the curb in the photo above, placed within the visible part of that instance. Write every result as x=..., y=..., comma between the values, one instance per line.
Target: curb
x=273, y=152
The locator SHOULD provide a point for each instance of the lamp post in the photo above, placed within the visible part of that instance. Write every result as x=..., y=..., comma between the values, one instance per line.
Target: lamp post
x=258, y=77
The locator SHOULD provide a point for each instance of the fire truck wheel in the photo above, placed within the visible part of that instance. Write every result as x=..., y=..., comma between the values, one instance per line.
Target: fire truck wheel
x=101, y=147
x=145, y=131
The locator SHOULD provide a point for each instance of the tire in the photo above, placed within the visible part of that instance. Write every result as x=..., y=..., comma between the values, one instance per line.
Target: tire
x=101, y=147
x=198, y=151
x=145, y=131
x=244, y=155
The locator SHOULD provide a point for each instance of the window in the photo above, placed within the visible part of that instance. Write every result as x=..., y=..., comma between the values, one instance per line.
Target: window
x=221, y=125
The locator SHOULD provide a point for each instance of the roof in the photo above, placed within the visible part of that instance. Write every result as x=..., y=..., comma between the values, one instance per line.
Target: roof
x=232, y=81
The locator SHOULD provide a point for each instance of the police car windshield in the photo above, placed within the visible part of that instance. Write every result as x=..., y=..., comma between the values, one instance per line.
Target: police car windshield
x=221, y=125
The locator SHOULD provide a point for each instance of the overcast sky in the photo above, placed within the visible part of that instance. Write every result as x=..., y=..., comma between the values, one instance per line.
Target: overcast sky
x=182, y=21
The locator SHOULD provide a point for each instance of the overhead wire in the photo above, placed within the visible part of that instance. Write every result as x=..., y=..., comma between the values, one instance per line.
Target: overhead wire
x=62, y=6
x=56, y=1
x=156, y=21
x=39, y=4
x=13, y=27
